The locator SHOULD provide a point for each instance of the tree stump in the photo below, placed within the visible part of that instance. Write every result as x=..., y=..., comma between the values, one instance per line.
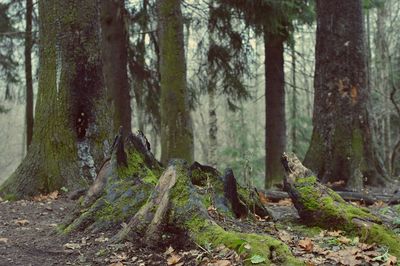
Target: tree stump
x=149, y=199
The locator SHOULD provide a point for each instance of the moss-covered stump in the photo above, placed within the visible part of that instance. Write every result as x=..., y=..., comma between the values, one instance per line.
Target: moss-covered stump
x=176, y=201
x=137, y=192
x=321, y=206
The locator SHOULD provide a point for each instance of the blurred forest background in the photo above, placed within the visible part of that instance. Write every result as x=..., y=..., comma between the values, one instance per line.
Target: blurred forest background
x=229, y=120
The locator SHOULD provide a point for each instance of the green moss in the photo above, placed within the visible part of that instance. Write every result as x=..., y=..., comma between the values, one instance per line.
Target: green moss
x=150, y=178
x=381, y=235
x=10, y=197
x=247, y=245
x=306, y=231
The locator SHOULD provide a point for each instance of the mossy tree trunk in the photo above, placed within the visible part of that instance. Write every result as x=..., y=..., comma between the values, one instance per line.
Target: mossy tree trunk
x=341, y=146
x=275, y=123
x=114, y=45
x=176, y=123
x=70, y=128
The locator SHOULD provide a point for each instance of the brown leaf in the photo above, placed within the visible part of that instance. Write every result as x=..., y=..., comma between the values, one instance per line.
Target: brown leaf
x=285, y=202
x=263, y=198
x=173, y=259
x=306, y=244
x=344, y=240
x=116, y=264
x=220, y=263
x=3, y=240
x=21, y=222
x=392, y=260
x=334, y=233
x=284, y=236
x=169, y=251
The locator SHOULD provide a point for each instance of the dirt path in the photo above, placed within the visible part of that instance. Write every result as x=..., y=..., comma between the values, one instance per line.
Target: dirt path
x=27, y=233
x=28, y=237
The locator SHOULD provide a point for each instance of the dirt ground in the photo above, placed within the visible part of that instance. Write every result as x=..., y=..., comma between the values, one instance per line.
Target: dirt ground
x=28, y=237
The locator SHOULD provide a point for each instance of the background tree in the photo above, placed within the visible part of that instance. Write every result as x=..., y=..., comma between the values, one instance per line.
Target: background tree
x=71, y=113
x=28, y=73
x=176, y=124
x=274, y=21
x=341, y=147
x=114, y=42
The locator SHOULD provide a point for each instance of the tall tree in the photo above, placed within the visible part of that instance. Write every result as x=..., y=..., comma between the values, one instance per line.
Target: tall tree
x=274, y=21
x=71, y=120
x=114, y=44
x=28, y=73
x=275, y=121
x=211, y=89
x=341, y=147
x=176, y=124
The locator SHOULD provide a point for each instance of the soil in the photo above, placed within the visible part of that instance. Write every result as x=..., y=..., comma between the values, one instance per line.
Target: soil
x=29, y=237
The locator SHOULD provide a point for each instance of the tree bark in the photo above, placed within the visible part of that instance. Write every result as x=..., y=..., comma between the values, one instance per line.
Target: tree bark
x=71, y=123
x=212, y=108
x=382, y=80
x=275, y=132
x=294, y=100
x=341, y=146
x=114, y=50
x=28, y=74
x=176, y=124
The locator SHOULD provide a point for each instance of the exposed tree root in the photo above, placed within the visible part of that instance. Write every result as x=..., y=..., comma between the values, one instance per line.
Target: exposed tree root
x=321, y=206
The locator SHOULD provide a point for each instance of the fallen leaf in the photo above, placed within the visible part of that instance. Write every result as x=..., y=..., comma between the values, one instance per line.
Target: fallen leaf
x=285, y=202
x=21, y=222
x=284, y=236
x=220, y=263
x=263, y=198
x=72, y=245
x=169, y=251
x=306, y=244
x=344, y=240
x=334, y=233
x=101, y=239
x=3, y=240
x=392, y=260
x=116, y=264
x=173, y=259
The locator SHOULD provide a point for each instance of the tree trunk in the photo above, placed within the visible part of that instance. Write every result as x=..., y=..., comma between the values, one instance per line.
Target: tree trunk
x=212, y=108
x=28, y=73
x=294, y=100
x=275, y=132
x=114, y=50
x=341, y=146
x=176, y=124
x=71, y=129
x=383, y=80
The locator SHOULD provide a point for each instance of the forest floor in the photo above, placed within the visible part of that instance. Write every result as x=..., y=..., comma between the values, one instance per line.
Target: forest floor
x=28, y=236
